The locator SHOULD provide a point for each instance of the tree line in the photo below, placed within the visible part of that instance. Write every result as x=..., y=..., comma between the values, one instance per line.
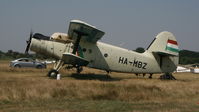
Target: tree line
x=10, y=54
x=185, y=56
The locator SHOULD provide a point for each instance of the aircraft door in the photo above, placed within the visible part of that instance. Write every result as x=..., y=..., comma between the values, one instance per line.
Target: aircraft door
x=101, y=58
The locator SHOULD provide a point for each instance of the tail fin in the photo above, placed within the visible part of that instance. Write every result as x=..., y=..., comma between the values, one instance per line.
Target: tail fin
x=166, y=51
x=165, y=43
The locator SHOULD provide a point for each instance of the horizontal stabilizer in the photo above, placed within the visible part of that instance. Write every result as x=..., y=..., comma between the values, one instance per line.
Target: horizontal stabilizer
x=69, y=58
x=164, y=54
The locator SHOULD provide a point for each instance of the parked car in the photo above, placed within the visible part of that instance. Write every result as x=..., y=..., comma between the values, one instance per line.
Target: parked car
x=27, y=62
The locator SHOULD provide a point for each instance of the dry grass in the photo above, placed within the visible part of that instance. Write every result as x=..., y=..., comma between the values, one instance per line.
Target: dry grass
x=30, y=90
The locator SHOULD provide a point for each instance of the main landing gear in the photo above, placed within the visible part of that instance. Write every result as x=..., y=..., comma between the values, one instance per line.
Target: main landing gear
x=55, y=71
x=79, y=69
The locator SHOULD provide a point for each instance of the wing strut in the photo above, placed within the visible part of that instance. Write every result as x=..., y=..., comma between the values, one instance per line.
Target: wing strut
x=79, y=36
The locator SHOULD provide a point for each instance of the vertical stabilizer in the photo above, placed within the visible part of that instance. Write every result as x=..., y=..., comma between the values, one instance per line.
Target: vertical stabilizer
x=165, y=42
x=166, y=51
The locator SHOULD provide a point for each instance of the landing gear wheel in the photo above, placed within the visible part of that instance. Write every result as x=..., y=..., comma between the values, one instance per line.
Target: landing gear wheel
x=79, y=69
x=167, y=76
x=53, y=74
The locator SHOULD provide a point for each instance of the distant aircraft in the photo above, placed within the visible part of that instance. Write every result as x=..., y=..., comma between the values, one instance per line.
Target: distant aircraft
x=80, y=47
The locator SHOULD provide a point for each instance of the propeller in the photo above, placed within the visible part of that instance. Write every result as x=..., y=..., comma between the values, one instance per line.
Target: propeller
x=28, y=42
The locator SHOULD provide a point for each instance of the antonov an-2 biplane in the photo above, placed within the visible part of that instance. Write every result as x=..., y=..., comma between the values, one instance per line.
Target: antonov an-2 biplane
x=80, y=47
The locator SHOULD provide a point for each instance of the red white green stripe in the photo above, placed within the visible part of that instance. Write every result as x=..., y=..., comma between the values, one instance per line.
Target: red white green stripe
x=172, y=46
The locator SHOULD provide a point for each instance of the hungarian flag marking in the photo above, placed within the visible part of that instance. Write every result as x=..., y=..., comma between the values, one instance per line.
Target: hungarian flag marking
x=172, y=46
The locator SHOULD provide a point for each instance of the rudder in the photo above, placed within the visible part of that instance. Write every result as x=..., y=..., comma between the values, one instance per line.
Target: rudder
x=165, y=49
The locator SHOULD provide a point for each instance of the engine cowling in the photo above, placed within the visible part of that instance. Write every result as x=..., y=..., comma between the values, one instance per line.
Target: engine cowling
x=61, y=37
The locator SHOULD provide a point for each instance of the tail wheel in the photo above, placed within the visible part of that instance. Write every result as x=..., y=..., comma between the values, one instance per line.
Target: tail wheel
x=53, y=73
x=167, y=76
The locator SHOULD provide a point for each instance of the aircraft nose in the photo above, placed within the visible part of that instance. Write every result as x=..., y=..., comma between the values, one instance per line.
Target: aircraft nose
x=37, y=36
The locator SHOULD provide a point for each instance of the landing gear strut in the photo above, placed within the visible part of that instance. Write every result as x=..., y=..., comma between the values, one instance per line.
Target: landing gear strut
x=167, y=76
x=79, y=69
x=53, y=73
x=76, y=45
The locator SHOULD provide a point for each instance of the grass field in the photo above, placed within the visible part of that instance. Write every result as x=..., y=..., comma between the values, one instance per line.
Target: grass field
x=29, y=90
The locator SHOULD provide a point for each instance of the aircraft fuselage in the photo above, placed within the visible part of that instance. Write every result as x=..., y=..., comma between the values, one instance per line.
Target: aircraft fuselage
x=111, y=58
x=103, y=56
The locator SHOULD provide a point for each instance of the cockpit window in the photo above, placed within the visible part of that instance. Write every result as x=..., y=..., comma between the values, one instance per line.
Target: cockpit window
x=105, y=55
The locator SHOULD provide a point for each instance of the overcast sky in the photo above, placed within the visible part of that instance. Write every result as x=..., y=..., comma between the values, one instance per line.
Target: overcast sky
x=127, y=23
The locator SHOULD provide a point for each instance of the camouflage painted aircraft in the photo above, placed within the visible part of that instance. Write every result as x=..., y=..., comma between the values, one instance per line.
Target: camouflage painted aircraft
x=80, y=47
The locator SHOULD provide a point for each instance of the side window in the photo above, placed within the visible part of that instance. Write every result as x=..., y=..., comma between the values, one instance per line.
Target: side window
x=105, y=55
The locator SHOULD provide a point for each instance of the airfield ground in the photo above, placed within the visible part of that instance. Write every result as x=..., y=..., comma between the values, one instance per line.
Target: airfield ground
x=29, y=90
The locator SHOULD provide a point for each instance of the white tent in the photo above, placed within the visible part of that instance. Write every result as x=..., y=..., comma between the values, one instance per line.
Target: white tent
x=182, y=69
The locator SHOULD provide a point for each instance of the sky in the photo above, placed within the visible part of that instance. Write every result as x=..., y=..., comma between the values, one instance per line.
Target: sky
x=126, y=23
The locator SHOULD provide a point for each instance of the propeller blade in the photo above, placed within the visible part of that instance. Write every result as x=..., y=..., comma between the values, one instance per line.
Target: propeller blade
x=28, y=42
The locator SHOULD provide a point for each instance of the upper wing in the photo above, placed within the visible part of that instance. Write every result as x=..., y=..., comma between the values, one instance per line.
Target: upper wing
x=92, y=33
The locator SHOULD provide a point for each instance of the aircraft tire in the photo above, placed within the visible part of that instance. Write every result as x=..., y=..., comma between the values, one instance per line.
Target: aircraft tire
x=79, y=69
x=53, y=73
x=167, y=76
